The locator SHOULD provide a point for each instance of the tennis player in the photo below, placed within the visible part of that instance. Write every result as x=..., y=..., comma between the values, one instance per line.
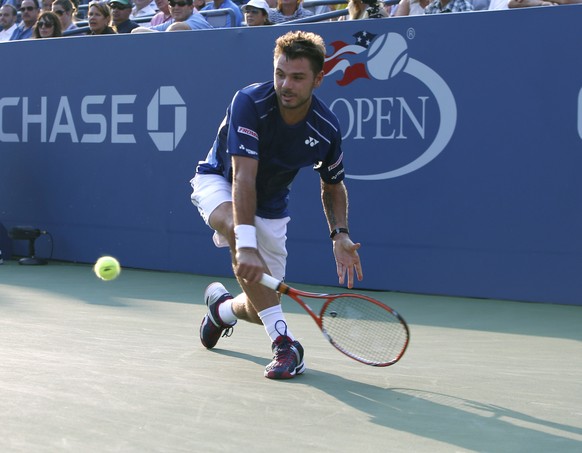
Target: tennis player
x=271, y=130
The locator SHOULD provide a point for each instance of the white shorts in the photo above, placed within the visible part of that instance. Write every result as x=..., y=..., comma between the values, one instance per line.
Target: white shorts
x=210, y=191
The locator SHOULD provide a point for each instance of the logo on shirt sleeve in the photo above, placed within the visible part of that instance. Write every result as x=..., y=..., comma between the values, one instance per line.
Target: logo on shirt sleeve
x=247, y=131
x=336, y=163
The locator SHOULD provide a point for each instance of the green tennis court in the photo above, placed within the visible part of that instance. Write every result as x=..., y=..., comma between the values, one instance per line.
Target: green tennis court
x=92, y=366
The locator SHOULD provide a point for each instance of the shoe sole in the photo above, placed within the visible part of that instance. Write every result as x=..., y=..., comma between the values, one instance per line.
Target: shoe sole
x=287, y=375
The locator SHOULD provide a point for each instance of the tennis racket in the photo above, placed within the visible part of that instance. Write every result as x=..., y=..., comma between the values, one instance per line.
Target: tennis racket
x=358, y=326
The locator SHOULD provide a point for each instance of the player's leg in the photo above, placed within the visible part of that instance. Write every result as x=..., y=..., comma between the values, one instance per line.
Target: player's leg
x=287, y=351
x=212, y=195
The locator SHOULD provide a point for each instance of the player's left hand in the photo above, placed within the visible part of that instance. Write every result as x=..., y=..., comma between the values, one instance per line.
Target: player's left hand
x=347, y=260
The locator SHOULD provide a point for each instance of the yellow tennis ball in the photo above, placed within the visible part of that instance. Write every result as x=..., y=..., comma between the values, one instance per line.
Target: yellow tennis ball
x=107, y=268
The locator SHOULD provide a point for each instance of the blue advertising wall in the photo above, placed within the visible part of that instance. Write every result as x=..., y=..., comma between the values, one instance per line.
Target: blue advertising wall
x=462, y=142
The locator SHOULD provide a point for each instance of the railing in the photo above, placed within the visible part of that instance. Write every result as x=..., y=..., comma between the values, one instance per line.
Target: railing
x=318, y=17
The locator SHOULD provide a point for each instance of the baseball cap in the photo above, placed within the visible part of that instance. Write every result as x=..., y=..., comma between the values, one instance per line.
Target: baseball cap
x=261, y=4
x=121, y=2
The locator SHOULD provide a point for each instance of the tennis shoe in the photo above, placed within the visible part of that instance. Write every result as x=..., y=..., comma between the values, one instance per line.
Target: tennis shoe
x=212, y=327
x=287, y=359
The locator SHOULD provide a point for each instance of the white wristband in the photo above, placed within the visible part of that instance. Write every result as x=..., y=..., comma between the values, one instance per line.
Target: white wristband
x=246, y=236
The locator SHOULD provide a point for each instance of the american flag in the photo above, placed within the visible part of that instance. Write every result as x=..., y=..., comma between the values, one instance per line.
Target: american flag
x=349, y=58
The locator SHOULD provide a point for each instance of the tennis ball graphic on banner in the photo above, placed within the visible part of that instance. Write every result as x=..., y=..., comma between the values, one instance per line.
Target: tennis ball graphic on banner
x=387, y=56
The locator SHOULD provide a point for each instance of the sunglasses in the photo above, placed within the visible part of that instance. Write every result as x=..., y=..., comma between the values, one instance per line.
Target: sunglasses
x=27, y=8
x=118, y=6
x=252, y=10
x=180, y=3
x=59, y=12
x=42, y=24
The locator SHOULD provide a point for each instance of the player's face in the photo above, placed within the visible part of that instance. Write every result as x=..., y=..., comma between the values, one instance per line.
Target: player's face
x=294, y=85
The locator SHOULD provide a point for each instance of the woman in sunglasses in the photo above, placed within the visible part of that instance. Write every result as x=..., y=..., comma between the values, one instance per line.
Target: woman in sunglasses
x=66, y=10
x=48, y=25
x=100, y=19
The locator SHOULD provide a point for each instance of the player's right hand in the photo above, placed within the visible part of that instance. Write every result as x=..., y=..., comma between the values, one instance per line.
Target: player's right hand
x=249, y=265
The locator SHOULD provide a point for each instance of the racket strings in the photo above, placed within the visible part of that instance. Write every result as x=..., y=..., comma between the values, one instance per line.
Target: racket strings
x=364, y=330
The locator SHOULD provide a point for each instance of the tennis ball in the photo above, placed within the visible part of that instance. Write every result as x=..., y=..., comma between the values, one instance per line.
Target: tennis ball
x=107, y=268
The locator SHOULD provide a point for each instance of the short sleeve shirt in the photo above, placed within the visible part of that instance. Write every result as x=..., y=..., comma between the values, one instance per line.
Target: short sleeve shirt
x=454, y=6
x=254, y=128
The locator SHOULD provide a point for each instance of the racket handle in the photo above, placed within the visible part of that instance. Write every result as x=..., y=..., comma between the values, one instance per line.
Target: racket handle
x=270, y=282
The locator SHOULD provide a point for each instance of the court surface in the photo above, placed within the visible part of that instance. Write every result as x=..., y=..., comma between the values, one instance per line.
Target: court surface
x=92, y=366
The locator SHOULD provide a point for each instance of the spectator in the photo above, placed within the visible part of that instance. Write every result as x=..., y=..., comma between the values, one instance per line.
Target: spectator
x=8, y=16
x=182, y=11
x=120, y=11
x=224, y=4
x=179, y=26
x=48, y=25
x=65, y=9
x=288, y=10
x=100, y=19
x=163, y=15
x=199, y=4
x=29, y=14
x=364, y=9
x=256, y=13
x=448, y=6
x=390, y=7
x=411, y=7
x=46, y=5
x=143, y=8
x=78, y=15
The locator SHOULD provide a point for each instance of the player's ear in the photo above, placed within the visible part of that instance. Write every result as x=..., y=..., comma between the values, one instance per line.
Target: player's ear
x=318, y=79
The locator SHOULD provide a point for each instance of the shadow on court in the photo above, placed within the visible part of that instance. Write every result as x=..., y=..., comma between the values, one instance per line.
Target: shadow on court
x=468, y=424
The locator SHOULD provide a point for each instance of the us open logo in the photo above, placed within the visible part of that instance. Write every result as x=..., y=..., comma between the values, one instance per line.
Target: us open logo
x=383, y=58
x=164, y=99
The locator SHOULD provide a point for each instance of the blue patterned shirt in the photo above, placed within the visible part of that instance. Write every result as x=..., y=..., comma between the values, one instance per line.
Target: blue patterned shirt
x=21, y=32
x=278, y=17
x=454, y=6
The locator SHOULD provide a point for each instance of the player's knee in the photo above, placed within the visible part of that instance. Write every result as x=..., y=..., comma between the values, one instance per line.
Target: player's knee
x=221, y=220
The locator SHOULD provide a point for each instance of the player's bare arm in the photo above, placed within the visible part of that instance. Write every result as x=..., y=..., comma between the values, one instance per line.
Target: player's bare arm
x=334, y=198
x=248, y=264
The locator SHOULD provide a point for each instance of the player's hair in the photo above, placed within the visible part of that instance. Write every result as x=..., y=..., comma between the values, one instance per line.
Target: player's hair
x=302, y=44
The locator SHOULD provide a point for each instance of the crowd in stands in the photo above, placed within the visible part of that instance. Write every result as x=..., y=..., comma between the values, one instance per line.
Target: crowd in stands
x=37, y=19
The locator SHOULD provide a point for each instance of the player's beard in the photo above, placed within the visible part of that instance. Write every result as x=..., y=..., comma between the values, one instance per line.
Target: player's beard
x=292, y=101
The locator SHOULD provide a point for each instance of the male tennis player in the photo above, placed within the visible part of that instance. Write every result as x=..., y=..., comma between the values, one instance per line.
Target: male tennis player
x=271, y=130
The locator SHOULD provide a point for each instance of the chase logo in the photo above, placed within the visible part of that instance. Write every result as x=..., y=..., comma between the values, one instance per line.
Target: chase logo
x=311, y=142
x=377, y=60
x=163, y=99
